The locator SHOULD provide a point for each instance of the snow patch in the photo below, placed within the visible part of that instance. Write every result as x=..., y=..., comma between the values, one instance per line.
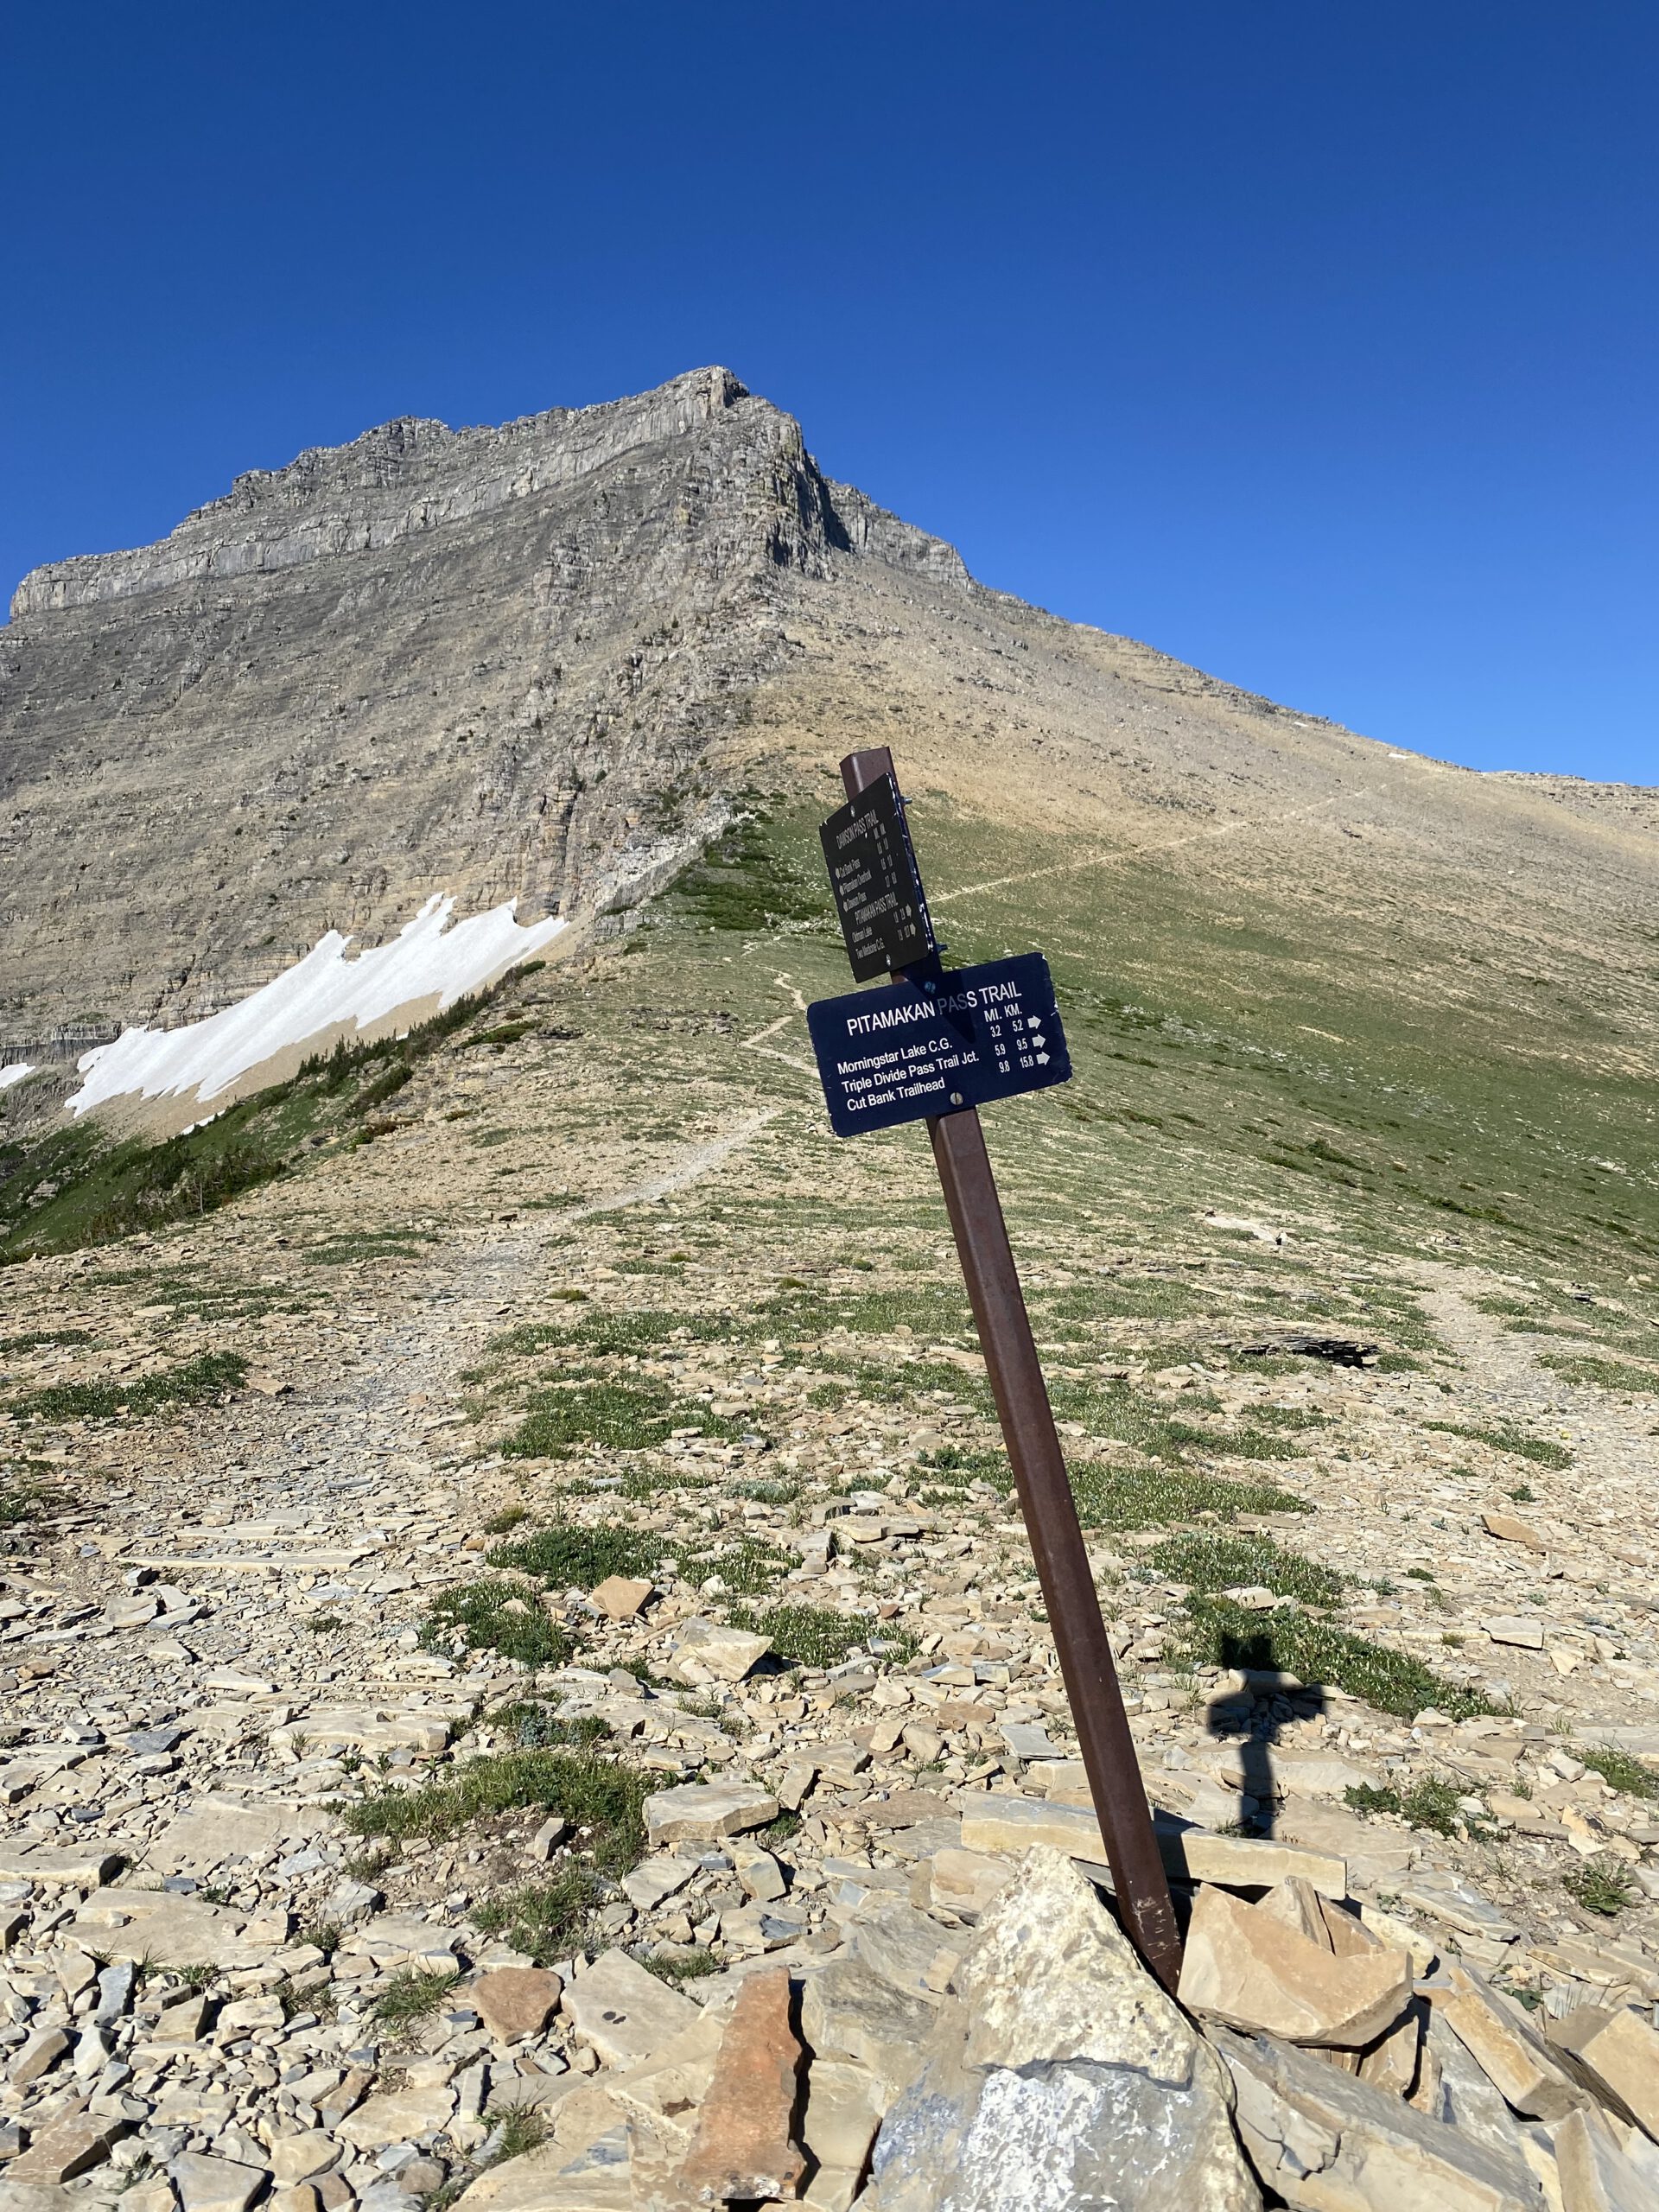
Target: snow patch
x=427, y=959
x=14, y=1073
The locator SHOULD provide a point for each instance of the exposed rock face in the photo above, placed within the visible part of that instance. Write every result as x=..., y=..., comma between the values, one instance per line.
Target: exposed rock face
x=483, y=661
x=543, y=662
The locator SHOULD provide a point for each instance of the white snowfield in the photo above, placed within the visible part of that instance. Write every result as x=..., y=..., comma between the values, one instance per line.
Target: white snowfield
x=428, y=959
x=14, y=1073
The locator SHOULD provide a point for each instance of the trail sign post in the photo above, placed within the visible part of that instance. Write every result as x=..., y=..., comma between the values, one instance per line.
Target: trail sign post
x=929, y=1014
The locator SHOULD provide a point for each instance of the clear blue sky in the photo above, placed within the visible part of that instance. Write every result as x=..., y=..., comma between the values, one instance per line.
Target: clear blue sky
x=1312, y=342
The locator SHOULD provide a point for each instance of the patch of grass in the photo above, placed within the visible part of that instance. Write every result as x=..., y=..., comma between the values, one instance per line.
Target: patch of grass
x=520, y=2130
x=495, y=1616
x=38, y=1339
x=1431, y=1803
x=1602, y=1884
x=951, y=1470
x=324, y=1936
x=547, y=1920
x=324, y=1624
x=510, y=1517
x=810, y=1635
x=413, y=1993
x=1619, y=1771
x=1539, y=1449
x=504, y=1032
x=1213, y=1563
x=536, y=1726
x=677, y=1966
x=1222, y=1634
x=1115, y=1496
x=1603, y=1374
x=768, y=1493
x=591, y=1792
x=629, y=1416
x=1524, y=1494
x=1115, y=1411
x=566, y=1555
x=754, y=877
x=209, y=1375
x=750, y=1567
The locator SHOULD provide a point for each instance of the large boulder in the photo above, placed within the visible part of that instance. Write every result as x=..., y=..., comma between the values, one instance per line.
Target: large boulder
x=1060, y=2075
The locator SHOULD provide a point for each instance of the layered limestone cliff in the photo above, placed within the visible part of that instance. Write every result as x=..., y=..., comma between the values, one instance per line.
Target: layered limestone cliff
x=486, y=662
x=545, y=663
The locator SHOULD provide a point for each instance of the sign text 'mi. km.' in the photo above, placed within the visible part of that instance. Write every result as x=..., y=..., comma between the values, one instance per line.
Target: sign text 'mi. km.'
x=877, y=886
x=914, y=1050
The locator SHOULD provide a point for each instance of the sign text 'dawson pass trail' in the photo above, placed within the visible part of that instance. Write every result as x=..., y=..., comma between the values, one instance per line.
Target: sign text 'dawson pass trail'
x=920, y=1049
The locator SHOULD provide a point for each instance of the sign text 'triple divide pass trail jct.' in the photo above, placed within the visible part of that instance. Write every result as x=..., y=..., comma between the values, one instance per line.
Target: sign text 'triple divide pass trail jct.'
x=972, y=1035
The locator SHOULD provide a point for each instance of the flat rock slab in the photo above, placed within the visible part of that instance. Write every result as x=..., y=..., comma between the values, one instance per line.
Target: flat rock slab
x=624, y=2012
x=1014, y=1824
x=1522, y=1630
x=1509, y=1530
x=1248, y=1967
x=68, y=2147
x=174, y=1931
x=208, y=2184
x=653, y=1879
x=1618, y=2050
x=620, y=1597
x=366, y=1728
x=56, y=1869
x=1322, y=2138
x=703, y=1812
x=744, y=2148
x=224, y=1827
x=706, y=1651
x=514, y=2002
x=398, y=2116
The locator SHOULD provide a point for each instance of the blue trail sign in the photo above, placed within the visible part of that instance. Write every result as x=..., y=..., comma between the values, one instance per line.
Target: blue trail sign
x=934, y=1047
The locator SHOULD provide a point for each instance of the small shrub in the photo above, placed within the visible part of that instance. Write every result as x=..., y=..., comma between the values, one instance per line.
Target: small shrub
x=567, y=1557
x=675, y=1966
x=546, y=1920
x=1224, y=1634
x=624, y=1416
x=208, y=1376
x=496, y=1617
x=1224, y=1562
x=749, y=1567
x=810, y=1636
x=1540, y=1450
x=1431, y=1803
x=1620, y=1771
x=590, y=1791
x=1602, y=1884
x=415, y=1993
x=520, y=2130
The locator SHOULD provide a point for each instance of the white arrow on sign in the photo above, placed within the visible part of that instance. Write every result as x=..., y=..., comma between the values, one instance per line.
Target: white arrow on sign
x=1042, y=1059
x=1040, y=1038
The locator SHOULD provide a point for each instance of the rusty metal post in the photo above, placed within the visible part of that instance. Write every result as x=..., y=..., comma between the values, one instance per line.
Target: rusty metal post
x=1050, y=1511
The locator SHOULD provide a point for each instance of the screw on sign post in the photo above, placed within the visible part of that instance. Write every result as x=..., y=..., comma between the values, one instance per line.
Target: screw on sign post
x=934, y=1049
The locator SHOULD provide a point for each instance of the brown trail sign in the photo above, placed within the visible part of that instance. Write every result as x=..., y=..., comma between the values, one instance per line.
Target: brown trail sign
x=1028, y=1431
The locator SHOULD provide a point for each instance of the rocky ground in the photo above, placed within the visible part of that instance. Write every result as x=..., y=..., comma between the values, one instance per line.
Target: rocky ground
x=524, y=1676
